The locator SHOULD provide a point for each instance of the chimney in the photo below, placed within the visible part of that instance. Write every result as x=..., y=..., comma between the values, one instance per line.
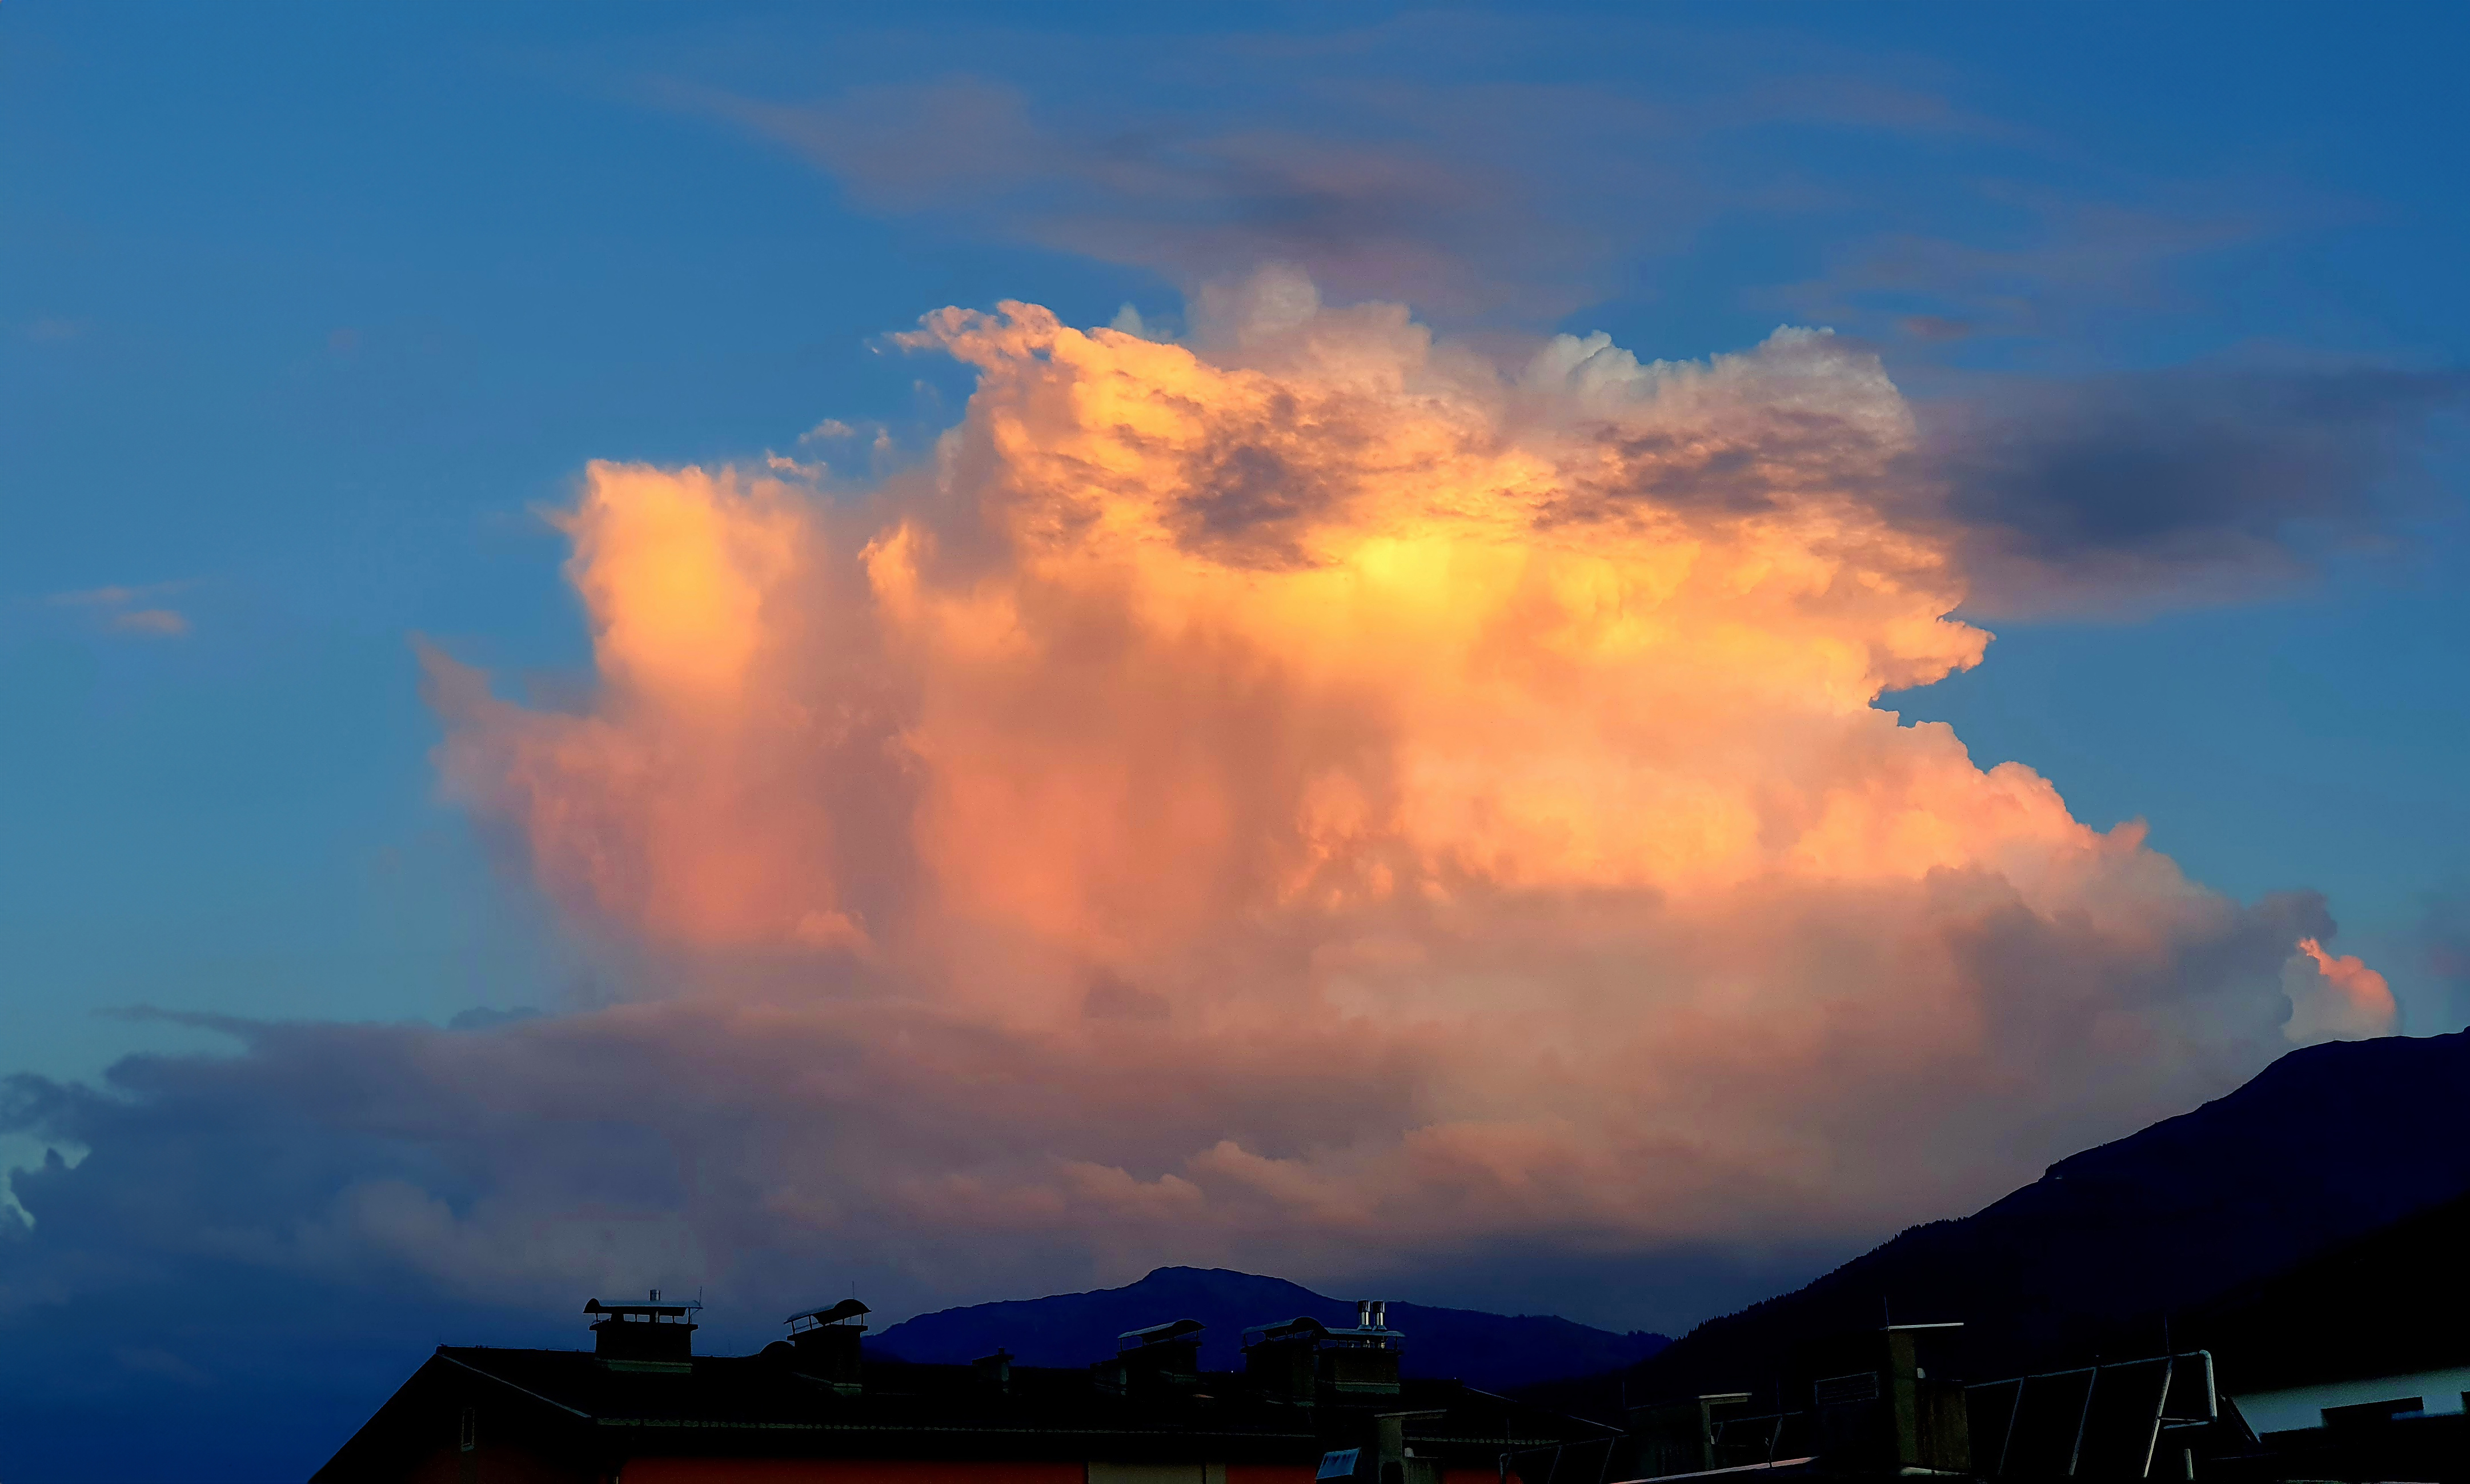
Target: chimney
x=826, y=1344
x=1278, y=1359
x=1161, y=1355
x=1362, y=1362
x=650, y=1336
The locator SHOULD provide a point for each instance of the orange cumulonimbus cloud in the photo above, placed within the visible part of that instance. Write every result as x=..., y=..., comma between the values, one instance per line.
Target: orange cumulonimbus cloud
x=1322, y=685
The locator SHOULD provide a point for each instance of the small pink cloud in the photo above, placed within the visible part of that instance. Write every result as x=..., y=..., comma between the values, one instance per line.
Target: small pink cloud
x=2335, y=998
x=120, y=612
x=1935, y=327
x=97, y=597
x=162, y=621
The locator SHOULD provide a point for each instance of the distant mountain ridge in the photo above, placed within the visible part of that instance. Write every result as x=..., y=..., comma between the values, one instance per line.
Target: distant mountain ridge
x=2328, y=1145
x=1493, y=1352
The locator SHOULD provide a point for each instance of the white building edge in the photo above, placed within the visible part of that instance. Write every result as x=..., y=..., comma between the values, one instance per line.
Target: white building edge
x=2418, y=1393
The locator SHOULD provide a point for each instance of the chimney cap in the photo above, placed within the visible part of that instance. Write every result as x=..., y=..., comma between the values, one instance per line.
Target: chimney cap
x=830, y=1313
x=1159, y=1334
x=1292, y=1328
x=653, y=1309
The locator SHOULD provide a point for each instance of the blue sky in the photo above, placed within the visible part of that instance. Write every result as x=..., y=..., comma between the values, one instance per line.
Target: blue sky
x=306, y=313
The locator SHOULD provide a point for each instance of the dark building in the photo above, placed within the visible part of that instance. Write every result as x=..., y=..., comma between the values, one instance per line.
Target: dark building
x=1312, y=1403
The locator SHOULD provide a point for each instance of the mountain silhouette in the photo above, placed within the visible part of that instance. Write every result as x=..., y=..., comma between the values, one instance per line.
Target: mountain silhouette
x=2386, y=1303
x=1493, y=1352
x=2329, y=1145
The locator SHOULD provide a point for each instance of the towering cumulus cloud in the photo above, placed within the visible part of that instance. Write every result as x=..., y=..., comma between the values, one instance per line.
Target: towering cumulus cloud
x=1318, y=786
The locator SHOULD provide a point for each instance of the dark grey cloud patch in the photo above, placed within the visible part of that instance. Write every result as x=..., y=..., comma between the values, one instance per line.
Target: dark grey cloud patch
x=2033, y=263
x=2110, y=497
x=195, y=1296
x=1474, y=167
x=1192, y=195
